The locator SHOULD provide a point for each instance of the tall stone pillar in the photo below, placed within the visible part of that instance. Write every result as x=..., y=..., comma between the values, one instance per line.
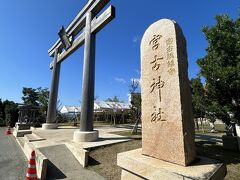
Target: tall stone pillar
x=86, y=132
x=52, y=103
x=168, y=146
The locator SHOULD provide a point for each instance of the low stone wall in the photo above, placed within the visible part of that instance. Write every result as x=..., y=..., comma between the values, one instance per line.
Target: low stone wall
x=137, y=166
x=238, y=135
x=79, y=153
x=41, y=160
x=20, y=133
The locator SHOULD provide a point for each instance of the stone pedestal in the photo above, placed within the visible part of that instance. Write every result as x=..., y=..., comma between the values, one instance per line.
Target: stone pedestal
x=137, y=166
x=230, y=143
x=238, y=135
x=46, y=126
x=21, y=129
x=21, y=133
x=22, y=126
x=85, y=136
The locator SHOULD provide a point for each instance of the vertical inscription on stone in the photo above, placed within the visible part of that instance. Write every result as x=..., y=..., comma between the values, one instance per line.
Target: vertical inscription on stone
x=168, y=129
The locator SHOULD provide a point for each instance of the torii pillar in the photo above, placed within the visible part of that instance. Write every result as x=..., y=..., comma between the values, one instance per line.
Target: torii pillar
x=52, y=104
x=86, y=132
x=68, y=43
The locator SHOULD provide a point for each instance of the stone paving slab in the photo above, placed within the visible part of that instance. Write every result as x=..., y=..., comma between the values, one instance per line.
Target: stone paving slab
x=13, y=163
x=138, y=166
x=63, y=165
x=65, y=134
x=60, y=149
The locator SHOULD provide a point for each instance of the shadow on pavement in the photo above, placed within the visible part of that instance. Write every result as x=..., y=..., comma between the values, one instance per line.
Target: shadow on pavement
x=215, y=151
x=53, y=172
x=216, y=139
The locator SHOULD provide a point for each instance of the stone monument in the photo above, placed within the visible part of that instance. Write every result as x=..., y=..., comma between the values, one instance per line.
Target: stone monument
x=168, y=127
x=168, y=147
x=69, y=41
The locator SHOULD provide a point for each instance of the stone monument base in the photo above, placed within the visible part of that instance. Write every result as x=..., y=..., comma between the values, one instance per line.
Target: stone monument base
x=136, y=166
x=85, y=136
x=22, y=126
x=46, y=126
x=238, y=135
x=230, y=143
x=21, y=133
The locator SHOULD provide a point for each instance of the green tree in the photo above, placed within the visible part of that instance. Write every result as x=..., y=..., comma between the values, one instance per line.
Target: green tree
x=114, y=99
x=43, y=96
x=30, y=96
x=37, y=97
x=198, y=97
x=135, y=112
x=198, y=100
x=11, y=112
x=221, y=69
x=2, y=122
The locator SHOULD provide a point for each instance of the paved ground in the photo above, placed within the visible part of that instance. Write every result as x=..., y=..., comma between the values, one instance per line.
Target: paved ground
x=65, y=134
x=13, y=162
x=214, y=137
x=63, y=165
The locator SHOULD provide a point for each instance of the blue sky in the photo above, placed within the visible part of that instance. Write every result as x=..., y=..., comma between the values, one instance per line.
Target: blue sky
x=29, y=28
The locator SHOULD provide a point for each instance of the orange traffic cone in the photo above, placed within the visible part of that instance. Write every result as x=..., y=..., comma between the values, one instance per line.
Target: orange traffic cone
x=8, y=131
x=31, y=170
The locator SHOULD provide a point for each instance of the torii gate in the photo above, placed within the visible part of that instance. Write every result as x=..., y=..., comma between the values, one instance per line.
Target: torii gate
x=67, y=44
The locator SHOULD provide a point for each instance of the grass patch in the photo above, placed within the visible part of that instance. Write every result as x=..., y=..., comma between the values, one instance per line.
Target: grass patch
x=232, y=159
x=103, y=160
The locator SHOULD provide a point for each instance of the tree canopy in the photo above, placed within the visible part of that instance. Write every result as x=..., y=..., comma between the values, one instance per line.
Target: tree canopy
x=221, y=68
x=30, y=96
x=43, y=95
x=10, y=112
x=198, y=98
x=37, y=97
x=1, y=113
x=113, y=99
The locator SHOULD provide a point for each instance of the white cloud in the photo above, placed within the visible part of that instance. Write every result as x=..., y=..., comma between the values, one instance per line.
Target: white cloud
x=135, y=39
x=138, y=72
x=120, y=80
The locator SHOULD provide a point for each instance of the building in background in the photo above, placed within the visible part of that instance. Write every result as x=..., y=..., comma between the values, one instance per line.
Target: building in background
x=103, y=111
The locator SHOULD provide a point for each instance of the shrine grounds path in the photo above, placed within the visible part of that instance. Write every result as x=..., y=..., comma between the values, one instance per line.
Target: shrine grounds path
x=13, y=163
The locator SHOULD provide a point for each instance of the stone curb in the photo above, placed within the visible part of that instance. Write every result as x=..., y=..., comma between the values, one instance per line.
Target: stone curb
x=79, y=153
x=41, y=160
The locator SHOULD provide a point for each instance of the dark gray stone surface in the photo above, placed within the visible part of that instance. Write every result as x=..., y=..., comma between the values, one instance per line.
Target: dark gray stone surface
x=22, y=126
x=13, y=163
x=78, y=22
x=63, y=165
x=52, y=104
x=83, y=21
x=97, y=24
x=86, y=119
x=230, y=143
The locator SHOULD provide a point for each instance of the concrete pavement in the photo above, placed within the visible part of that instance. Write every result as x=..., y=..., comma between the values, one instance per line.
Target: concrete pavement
x=65, y=156
x=63, y=165
x=13, y=163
